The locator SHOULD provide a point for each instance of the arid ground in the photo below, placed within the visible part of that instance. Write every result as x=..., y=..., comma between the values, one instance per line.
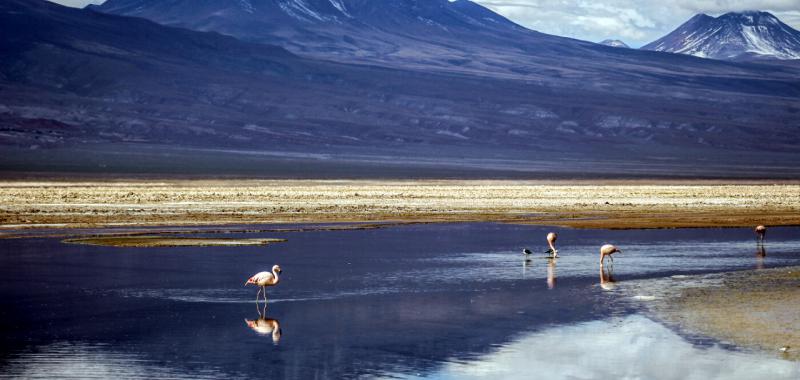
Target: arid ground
x=755, y=309
x=627, y=204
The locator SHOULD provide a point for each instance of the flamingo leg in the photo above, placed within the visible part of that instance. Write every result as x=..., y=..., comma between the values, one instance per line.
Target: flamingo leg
x=258, y=294
x=265, y=296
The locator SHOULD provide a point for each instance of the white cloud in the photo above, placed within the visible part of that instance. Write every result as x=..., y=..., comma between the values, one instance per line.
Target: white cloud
x=722, y=6
x=634, y=21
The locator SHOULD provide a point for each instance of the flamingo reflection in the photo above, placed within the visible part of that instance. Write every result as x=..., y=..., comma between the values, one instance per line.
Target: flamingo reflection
x=761, y=254
x=607, y=281
x=265, y=326
x=551, y=273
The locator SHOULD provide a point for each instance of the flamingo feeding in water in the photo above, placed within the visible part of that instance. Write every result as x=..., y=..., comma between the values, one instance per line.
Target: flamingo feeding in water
x=761, y=233
x=608, y=250
x=551, y=241
x=264, y=279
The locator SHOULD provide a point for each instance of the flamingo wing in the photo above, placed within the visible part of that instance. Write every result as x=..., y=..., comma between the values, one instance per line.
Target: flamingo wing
x=260, y=278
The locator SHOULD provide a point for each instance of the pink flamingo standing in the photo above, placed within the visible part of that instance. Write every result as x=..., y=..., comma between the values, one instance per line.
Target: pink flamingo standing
x=264, y=279
x=761, y=233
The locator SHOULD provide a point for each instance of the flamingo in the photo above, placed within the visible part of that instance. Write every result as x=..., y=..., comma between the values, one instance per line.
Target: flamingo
x=264, y=279
x=551, y=240
x=761, y=233
x=607, y=250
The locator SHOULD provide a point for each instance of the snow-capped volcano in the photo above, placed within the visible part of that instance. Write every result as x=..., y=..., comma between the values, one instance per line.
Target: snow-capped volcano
x=732, y=36
x=614, y=43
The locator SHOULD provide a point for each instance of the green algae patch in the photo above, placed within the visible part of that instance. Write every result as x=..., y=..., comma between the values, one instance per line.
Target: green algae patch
x=168, y=241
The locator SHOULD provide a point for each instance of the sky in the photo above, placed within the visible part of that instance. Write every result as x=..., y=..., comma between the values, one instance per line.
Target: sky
x=636, y=22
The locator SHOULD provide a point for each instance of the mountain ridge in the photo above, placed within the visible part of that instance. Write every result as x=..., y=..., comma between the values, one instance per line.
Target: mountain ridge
x=95, y=91
x=732, y=36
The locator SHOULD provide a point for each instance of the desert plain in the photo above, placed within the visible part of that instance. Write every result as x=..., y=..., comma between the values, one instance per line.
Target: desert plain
x=579, y=204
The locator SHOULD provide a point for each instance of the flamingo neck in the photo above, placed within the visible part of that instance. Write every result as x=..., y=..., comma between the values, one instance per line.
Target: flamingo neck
x=275, y=275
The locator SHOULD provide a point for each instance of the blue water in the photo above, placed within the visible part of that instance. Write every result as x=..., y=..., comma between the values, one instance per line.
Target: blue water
x=428, y=300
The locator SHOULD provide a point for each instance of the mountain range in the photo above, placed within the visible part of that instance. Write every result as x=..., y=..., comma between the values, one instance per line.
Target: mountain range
x=732, y=36
x=84, y=90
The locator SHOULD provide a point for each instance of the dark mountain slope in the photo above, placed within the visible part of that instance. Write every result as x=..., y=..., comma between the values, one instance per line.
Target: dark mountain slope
x=440, y=35
x=88, y=91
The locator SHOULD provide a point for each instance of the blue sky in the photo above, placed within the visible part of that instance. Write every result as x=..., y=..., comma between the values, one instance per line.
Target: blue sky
x=636, y=22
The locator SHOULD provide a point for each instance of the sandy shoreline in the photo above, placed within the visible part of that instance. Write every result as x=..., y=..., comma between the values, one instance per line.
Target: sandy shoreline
x=581, y=204
x=756, y=309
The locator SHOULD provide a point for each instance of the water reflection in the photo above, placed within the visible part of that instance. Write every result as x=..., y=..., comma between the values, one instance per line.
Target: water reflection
x=635, y=346
x=438, y=281
x=761, y=254
x=79, y=360
x=265, y=326
x=607, y=280
x=526, y=263
x=551, y=273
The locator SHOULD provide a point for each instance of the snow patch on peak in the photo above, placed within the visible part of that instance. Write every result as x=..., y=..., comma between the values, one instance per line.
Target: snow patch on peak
x=340, y=6
x=247, y=6
x=300, y=10
x=614, y=43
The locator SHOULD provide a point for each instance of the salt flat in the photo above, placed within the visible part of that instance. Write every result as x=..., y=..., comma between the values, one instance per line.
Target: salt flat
x=582, y=204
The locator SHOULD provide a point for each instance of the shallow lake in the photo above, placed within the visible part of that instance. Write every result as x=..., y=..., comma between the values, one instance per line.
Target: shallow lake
x=440, y=301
